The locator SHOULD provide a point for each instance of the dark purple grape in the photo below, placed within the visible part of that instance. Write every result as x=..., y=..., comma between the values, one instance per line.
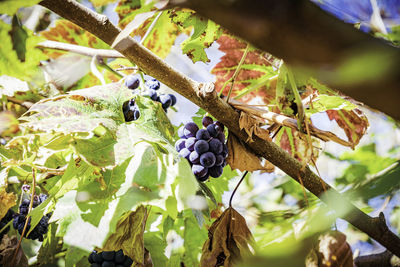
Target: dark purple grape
x=180, y=144
x=136, y=113
x=215, y=146
x=132, y=81
x=199, y=171
x=219, y=159
x=108, y=264
x=25, y=203
x=194, y=157
x=207, y=121
x=191, y=129
x=190, y=142
x=207, y=159
x=204, y=178
x=215, y=171
x=221, y=137
x=151, y=93
x=181, y=133
x=165, y=101
x=201, y=146
x=184, y=153
x=219, y=126
x=203, y=134
x=119, y=256
x=95, y=265
x=173, y=99
x=153, y=83
x=108, y=255
x=130, y=110
x=212, y=130
x=128, y=262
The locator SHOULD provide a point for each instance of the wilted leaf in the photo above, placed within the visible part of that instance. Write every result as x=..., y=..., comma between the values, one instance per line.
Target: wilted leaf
x=129, y=236
x=8, y=123
x=8, y=248
x=332, y=251
x=7, y=201
x=354, y=123
x=254, y=73
x=205, y=32
x=252, y=126
x=229, y=240
x=240, y=157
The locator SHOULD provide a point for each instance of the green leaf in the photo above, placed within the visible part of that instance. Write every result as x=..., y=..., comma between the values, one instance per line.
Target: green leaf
x=18, y=37
x=50, y=246
x=194, y=237
x=154, y=243
x=205, y=32
x=326, y=102
x=10, y=7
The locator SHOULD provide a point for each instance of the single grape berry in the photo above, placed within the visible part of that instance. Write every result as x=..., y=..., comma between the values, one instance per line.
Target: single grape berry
x=212, y=130
x=204, y=178
x=203, y=134
x=207, y=121
x=152, y=94
x=131, y=110
x=194, y=157
x=219, y=126
x=184, y=153
x=191, y=129
x=181, y=133
x=119, y=256
x=221, y=137
x=207, y=159
x=224, y=152
x=173, y=99
x=3, y=141
x=132, y=81
x=215, y=146
x=190, y=142
x=201, y=146
x=215, y=171
x=219, y=159
x=153, y=83
x=180, y=144
x=199, y=170
x=165, y=101
x=108, y=255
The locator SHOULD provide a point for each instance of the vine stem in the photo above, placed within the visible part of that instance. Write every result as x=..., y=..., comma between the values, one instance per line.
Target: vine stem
x=28, y=216
x=237, y=186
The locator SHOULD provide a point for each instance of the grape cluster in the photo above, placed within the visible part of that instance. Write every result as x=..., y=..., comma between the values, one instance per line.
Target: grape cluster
x=130, y=110
x=20, y=218
x=109, y=259
x=205, y=149
x=4, y=221
x=166, y=100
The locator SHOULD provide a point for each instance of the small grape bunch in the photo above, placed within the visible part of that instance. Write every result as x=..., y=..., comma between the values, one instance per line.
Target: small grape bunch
x=4, y=221
x=166, y=100
x=20, y=219
x=205, y=149
x=130, y=110
x=109, y=259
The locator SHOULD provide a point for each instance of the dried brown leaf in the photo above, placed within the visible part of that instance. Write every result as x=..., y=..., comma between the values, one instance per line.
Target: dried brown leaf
x=332, y=251
x=242, y=158
x=129, y=236
x=7, y=200
x=7, y=250
x=251, y=126
x=228, y=241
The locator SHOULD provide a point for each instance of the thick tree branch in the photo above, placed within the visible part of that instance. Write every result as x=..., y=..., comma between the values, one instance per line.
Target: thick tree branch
x=82, y=50
x=384, y=259
x=204, y=95
x=311, y=40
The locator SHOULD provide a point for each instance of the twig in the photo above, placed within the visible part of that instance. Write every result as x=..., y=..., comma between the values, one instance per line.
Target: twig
x=288, y=122
x=204, y=95
x=82, y=50
x=235, y=74
x=25, y=104
x=297, y=98
x=237, y=186
x=150, y=28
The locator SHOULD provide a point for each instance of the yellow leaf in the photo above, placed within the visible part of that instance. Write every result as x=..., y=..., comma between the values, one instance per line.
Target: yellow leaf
x=7, y=200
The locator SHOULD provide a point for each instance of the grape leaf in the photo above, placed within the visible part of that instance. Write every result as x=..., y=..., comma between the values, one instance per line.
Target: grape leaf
x=98, y=3
x=10, y=7
x=328, y=102
x=193, y=238
x=129, y=235
x=228, y=240
x=9, y=61
x=8, y=124
x=253, y=78
x=156, y=246
x=205, y=32
x=50, y=246
x=18, y=38
x=7, y=201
